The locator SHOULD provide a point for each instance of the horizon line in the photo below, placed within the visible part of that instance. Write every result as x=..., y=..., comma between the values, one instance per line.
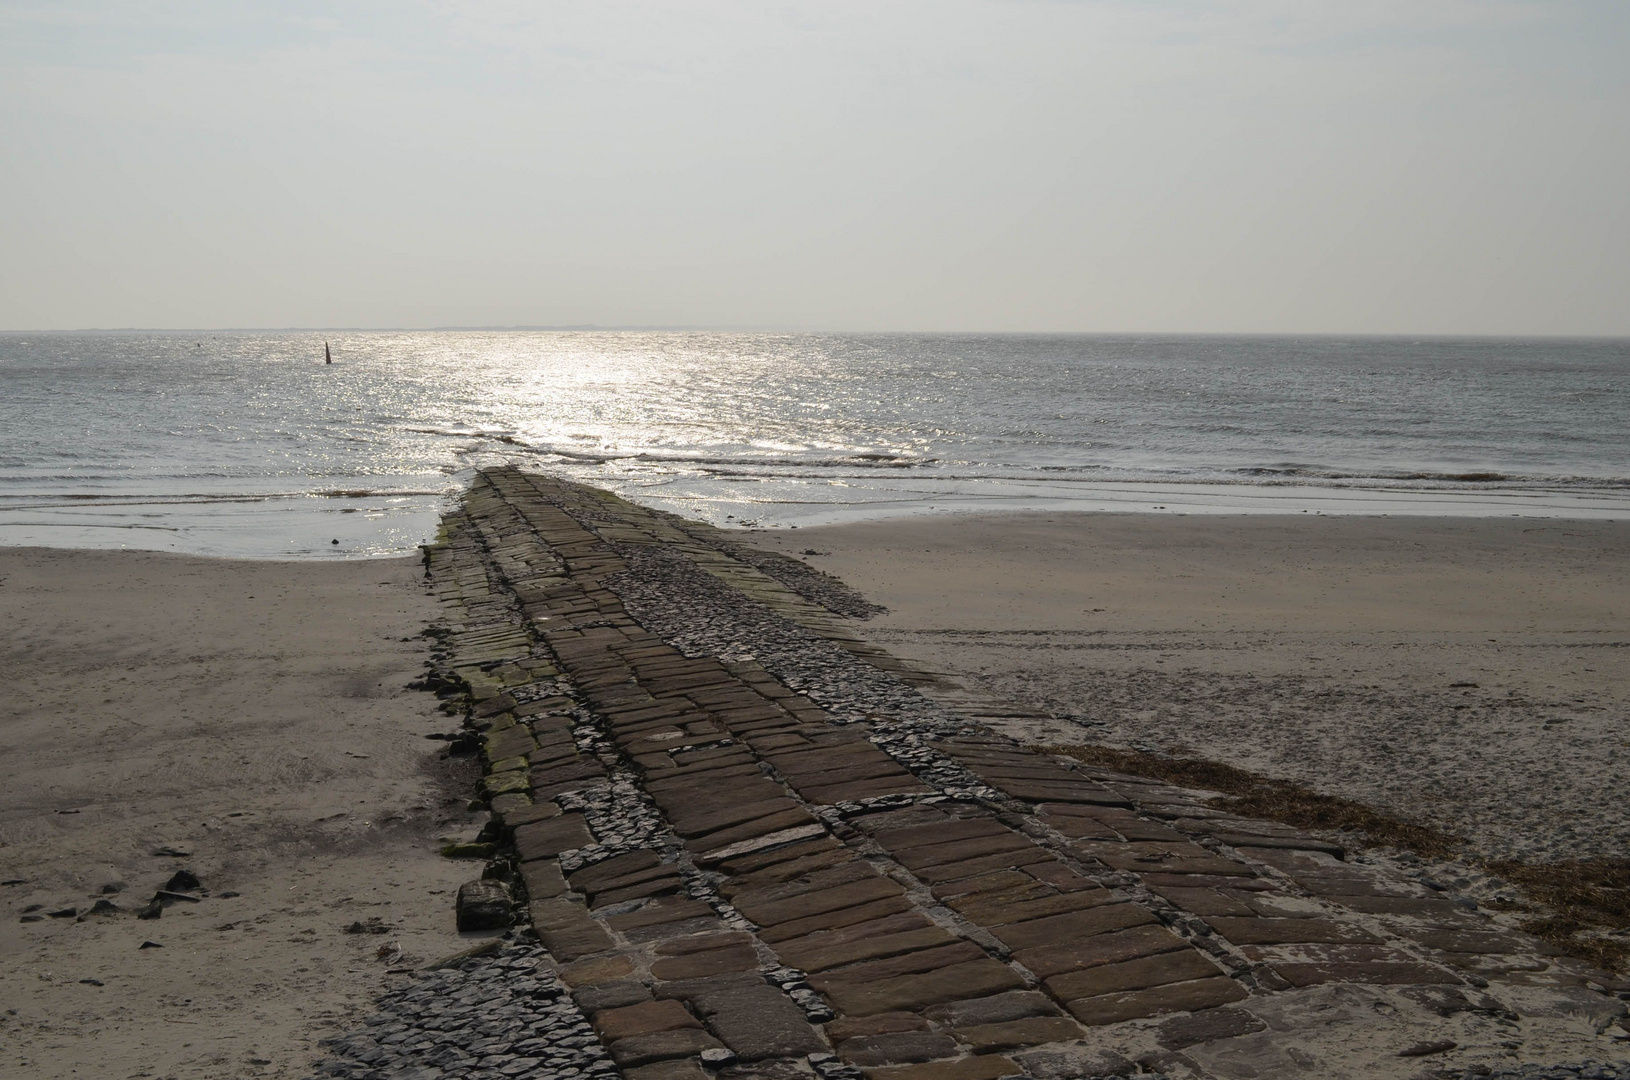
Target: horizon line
x=782, y=329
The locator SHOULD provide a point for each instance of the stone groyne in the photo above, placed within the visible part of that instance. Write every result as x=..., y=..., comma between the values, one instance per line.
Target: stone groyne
x=738, y=841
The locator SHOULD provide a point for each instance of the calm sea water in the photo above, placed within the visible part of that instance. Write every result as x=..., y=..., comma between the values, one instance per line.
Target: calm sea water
x=247, y=444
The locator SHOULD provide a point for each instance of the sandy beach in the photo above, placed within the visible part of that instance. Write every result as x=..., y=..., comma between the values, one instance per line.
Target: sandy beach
x=255, y=716
x=1471, y=673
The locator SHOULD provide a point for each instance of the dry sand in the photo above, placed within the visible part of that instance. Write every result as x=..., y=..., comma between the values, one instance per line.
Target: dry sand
x=254, y=714
x=1322, y=649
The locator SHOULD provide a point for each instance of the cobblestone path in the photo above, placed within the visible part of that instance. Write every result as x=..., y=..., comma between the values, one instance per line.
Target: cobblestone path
x=752, y=845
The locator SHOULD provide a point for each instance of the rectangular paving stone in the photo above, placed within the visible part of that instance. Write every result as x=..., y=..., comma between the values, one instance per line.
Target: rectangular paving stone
x=1110, y=948
x=591, y=878
x=976, y=978
x=1175, y=997
x=895, y=1048
x=1488, y=942
x=755, y=1019
x=670, y=909
x=1443, y=913
x=737, y=957
x=992, y=884
x=1206, y=902
x=661, y=1046
x=546, y=839
x=750, y=830
x=1140, y=974
x=1017, y=1033
x=814, y=955
x=988, y=1067
x=1374, y=973
x=1287, y=931
x=769, y=913
x=939, y=833
x=707, y=818
x=1000, y=911
x=1056, y=930
x=668, y=882
x=543, y=879
x=642, y=1019
x=567, y=930
x=786, y=870
x=903, y=784
x=980, y=866
x=960, y=850
x=911, y=963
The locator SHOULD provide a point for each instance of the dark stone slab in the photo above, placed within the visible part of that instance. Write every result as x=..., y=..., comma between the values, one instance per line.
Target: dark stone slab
x=821, y=952
x=1373, y=972
x=1443, y=913
x=662, y=1046
x=755, y=1019
x=1181, y=1032
x=996, y=1009
x=1288, y=931
x=749, y=830
x=653, y=884
x=1014, y=1034
x=663, y=910
x=911, y=963
x=642, y=1019
x=986, y=1067
x=740, y=957
x=1176, y=997
x=1206, y=902
x=546, y=839
x=961, y=850
x=543, y=879
x=706, y=818
x=1110, y=948
x=923, y=835
x=808, y=904
x=591, y=878
x=987, y=864
x=678, y=1069
x=1140, y=974
x=898, y=1048
x=483, y=905
x=835, y=920
x=695, y=943
x=1485, y=942
x=567, y=930
x=616, y=994
x=881, y=1024
x=976, y=978
x=1057, y=929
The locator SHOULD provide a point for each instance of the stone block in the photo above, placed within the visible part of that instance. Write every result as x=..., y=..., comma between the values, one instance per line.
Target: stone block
x=1288, y=931
x=912, y=963
x=643, y=1019
x=821, y=952
x=617, y=994
x=678, y=1069
x=659, y=912
x=897, y=1048
x=547, y=839
x=598, y=970
x=755, y=1019
x=483, y=905
x=1110, y=948
x=881, y=1024
x=1373, y=972
x=661, y=1046
x=996, y=1009
x=567, y=930
x=812, y=904
x=1013, y=1034
x=591, y=878
x=696, y=965
x=1073, y=925
x=1140, y=974
x=989, y=1067
x=1001, y=911
x=976, y=978
x=1176, y=997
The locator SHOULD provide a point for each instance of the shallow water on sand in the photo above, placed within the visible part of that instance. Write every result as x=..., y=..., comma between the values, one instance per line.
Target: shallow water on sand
x=247, y=444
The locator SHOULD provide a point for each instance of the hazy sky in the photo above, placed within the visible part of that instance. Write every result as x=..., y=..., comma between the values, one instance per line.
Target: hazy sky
x=1231, y=165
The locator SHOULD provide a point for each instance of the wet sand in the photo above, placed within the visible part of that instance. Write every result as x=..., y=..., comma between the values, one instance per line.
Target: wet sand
x=255, y=715
x=1472, y=673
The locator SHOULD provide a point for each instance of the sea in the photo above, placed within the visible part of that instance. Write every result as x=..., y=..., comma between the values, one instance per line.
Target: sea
x=247, y=444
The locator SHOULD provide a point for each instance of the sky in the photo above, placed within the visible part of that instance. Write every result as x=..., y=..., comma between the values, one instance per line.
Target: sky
x=1284, y=166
